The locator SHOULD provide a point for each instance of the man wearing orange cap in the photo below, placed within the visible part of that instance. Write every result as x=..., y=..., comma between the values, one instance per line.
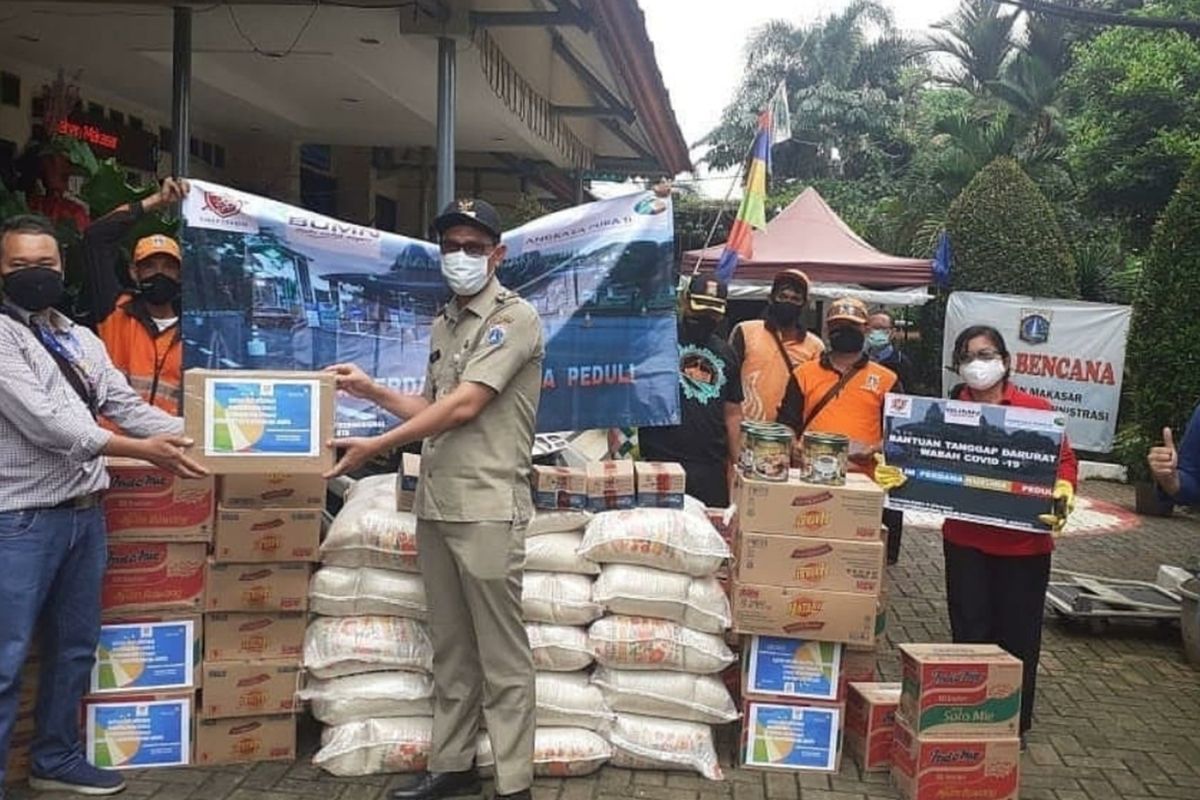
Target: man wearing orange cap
x=139, y=322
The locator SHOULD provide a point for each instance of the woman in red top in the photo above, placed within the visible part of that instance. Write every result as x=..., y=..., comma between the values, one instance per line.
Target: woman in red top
x=996, y=577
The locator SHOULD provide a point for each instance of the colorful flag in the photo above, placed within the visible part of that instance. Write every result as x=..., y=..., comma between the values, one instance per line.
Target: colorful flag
x=752, y=213
x=781, y=115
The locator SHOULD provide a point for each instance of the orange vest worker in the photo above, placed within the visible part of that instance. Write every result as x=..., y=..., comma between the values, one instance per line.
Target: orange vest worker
x=857, y=410
x=764, y=373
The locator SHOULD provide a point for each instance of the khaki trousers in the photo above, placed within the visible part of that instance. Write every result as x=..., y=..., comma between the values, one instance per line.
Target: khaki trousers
x=481, y=655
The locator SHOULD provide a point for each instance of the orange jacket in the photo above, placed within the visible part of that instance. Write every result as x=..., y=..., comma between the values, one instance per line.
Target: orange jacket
x=765, y=374
x=152, y=360
x=857, y=409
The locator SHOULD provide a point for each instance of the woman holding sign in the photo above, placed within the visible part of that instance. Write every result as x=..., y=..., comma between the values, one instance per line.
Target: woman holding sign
x=996, y=578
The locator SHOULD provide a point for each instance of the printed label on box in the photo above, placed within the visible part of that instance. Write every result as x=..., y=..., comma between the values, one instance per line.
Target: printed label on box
x=154, y=655
x=262, y=417
x=792, y=737
x=793, y=668
x=139, y=734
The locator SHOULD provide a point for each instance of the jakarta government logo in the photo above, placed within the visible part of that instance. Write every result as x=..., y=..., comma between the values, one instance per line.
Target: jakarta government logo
x=650, y=206
x=1035, y=326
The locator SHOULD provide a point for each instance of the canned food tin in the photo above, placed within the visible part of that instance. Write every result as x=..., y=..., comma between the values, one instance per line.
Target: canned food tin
x=823, y=457
x=767, y=451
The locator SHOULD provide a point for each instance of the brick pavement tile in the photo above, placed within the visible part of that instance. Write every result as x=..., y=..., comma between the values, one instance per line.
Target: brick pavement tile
x=1165, y=790
x=363, y=791
x=687, y=780
x=218, y=784
x=749, y=791
x=544, y=792
x=1099, y=789
x=813, y=780
x=781, y=786
x=661, y=793
x=1173, y=764
x=582, y=789
x=647, y=777
x=264, y=774
x=1070, y=794
x=820, y=794
x=614, y=780
x=1044, y=754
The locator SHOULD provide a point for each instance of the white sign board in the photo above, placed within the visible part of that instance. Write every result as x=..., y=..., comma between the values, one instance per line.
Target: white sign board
x=1070, y=352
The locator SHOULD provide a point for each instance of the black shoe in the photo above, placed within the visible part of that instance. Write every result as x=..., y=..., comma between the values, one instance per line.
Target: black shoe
x=439, y=785
x=521, y=795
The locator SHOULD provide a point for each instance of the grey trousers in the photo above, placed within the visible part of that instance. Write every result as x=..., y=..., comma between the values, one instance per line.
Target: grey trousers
x=481, y=655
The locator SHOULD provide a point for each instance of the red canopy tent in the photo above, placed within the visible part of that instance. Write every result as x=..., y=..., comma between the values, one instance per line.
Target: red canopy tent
x=809, y=235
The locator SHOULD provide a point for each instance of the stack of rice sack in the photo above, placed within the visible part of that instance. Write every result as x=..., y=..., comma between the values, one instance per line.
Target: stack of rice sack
x=572, y=717
x=368, y=653
x=661, y=646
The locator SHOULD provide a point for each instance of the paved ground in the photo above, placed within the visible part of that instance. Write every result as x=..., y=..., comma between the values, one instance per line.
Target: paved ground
x=1118, y=715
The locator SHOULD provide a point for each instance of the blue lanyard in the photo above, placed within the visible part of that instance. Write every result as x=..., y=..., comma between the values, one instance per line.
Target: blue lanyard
x=72, y=354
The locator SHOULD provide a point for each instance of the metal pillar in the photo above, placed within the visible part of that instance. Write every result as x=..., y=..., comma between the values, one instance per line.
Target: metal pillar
x=181, y=93
x=446, y=103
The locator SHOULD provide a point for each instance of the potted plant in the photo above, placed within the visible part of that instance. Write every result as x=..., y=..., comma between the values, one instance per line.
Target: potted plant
x=1131, y=446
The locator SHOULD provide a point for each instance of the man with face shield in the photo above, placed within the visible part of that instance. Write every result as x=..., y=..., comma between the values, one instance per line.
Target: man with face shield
x=707, y=438
x=139, y=322
x=770, y=349
x=476, y=417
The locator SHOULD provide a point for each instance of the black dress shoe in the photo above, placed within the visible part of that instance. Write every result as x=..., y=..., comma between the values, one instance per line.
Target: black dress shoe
x=521, y=795
x=439, y=785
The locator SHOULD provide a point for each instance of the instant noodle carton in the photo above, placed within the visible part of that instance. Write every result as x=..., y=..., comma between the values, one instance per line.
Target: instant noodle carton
x=246, y=637
x=816, y=615
x=249, y=688
x=610, y=484
x=256, y=587
x=557, y=488
x=147, y=504
x=153, y=576
x=271, y=490
x=139, y=731
x=869, y=723
x=858, y=666
x=659, y=484
x=267, y=534
x=835, y=565
x=787, y=670
x=794, y=737
x=953, y=690
x=850, y=511
x=966, y=766
x=246, y=739
x=406, y=481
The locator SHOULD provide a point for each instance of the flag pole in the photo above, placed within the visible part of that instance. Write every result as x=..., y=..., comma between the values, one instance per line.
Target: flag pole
x=737, y=178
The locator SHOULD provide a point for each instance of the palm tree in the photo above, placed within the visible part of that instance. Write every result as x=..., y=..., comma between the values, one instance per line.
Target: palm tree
x=979, y=36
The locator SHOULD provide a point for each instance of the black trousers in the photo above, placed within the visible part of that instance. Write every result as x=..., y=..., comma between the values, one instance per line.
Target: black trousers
x=893, y=520
x=708, y=482
x=999, y=600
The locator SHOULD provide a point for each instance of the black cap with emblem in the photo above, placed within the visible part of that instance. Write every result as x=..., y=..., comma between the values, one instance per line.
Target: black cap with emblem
x=476, y=213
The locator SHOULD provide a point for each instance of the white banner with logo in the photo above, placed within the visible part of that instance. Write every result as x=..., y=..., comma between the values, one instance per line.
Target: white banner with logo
x=1070, y=352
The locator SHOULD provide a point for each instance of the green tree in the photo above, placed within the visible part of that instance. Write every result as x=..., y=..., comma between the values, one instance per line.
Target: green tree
x=979, y=37
x=1162, y=350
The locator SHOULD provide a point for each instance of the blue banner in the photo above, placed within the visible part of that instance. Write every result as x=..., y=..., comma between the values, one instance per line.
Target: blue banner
x=272, y=286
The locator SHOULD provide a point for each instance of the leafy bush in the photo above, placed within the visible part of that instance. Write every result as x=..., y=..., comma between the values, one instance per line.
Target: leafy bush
x=1163, y=362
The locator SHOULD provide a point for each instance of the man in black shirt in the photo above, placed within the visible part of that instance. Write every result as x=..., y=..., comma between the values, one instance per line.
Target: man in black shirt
x=707, y=440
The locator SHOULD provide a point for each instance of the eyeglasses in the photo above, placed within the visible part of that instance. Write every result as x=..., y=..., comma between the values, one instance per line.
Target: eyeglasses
x=473, y=249
x=980, y=355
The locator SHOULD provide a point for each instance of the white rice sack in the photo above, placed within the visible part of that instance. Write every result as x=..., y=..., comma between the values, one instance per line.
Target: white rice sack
x=663, y=538
x=558, y=598
x=645, y=643
x=558, y=752
x=375, y=746
x=336, y=646
x=671, y=695
x=355, y=592
x=698, y=603
x=371, y=695
x=558, y=552
x=544, y=522
x=651, y=743
x=695, y=506
x=558, y=648
x=569, y=700
x=370, y=532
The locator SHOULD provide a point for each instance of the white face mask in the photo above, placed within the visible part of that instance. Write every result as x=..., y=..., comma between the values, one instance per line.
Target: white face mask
x=467, y=275
x=981, y=375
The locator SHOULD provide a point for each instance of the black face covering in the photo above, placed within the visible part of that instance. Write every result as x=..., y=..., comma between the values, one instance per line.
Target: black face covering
x=159, y=289
x=784, y=315
x=34, y=288
x=698, y=328
x=846, y=340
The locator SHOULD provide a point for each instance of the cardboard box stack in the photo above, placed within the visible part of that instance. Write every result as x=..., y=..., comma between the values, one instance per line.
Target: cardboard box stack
x=267, y=533
x=957, y=728
x=808, y=571
x=870, y=724
x=140, y=702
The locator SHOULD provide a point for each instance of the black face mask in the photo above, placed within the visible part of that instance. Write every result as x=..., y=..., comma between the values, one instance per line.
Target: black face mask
x=698, y=329
x=784, y=315
x=159, y=289
x=846, y=340
x=34, y=288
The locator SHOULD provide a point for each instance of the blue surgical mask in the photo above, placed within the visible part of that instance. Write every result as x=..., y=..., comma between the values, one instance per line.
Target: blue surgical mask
x=878, y=339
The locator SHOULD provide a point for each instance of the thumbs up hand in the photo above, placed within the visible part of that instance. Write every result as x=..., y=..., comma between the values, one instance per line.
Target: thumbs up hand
x=1164, y=463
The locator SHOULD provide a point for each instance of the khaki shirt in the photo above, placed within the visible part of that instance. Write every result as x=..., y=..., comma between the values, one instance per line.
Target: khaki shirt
x=479, y=471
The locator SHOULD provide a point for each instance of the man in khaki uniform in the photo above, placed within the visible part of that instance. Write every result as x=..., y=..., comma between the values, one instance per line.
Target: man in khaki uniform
x=473, y=502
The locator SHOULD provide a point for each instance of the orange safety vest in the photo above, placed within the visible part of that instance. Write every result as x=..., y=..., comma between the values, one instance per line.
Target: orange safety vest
x=764, y=374
x=152, y=361
x=857, y=409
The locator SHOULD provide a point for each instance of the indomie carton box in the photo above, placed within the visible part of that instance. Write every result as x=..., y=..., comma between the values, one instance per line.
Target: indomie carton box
x=659, y=484
x=246, y=739
x=267, y=534
x=249, y=688
x=145, y=503
x=153, y=576
x=559, y=488
x=976, y=767
x=256, y=587
x=952, y=690
x=271, y=490
x=835, y=565
x=610, y=484
x=870, y=720
x=851, y=511
x=245, y=637
x=803, y=613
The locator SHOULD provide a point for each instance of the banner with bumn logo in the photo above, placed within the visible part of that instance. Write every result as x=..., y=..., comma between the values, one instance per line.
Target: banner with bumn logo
x=1070, y=352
